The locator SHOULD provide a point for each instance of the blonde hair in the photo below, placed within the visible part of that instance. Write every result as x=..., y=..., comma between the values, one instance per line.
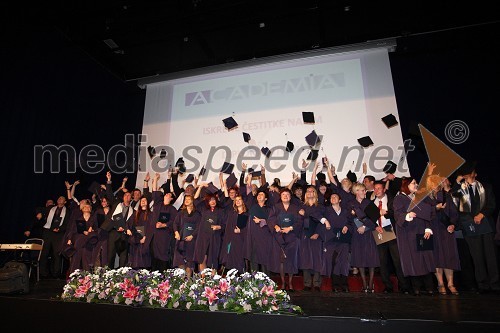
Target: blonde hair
x=306, y=202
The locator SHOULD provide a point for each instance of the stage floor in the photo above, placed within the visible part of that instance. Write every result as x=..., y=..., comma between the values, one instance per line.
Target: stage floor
x=468, y=307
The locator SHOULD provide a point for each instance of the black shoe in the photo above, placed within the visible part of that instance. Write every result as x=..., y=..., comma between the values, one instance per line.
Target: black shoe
x=317, y=289
x=307, y=289
x=388, y=291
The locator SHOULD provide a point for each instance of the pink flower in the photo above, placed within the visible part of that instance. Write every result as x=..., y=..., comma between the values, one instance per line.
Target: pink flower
x=211, y=294
x=131, y=292
x=268, y=291
x=223, y=285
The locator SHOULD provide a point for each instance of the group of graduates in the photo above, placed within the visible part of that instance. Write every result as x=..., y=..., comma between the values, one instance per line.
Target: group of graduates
x=322, y=228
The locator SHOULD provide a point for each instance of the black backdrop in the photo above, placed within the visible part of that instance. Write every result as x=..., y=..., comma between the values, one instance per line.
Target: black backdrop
x=53, y=93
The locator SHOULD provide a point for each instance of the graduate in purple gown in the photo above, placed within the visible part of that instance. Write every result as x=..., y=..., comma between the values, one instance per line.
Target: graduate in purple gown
x=186, y=226
x=208, y=241
x=443, y=226
x=337, y=238
x=259, y=238
x=140, y=230
x=410, y=222
x=82, y=236
x=163, y=234
x=232, y=253
x=286, y=224
x=311, y=243
x=364, y=253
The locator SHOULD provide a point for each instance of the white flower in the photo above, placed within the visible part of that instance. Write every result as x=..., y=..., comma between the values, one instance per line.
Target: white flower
x=212, y=307
x=206, y=271
x=232, y=273
x=188, y=305
x=247, y=307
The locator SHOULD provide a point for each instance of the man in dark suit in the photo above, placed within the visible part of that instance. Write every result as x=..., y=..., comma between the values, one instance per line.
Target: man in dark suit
x=52, y=234
x=388, y=252
x=476, y=206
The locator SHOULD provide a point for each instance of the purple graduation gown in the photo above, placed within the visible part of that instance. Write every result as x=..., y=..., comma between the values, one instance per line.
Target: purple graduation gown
x=163, y=237
x=186, y=224
x=232, y=253
x=311, y=250
x=208, y=241
x=259, y=240
x=285, y=246
x=445, y=244
x=364, y=252
x=333, y=244
x=413, y=262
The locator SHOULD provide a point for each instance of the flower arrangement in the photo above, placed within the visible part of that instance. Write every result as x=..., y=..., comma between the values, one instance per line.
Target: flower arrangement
x=241, y=293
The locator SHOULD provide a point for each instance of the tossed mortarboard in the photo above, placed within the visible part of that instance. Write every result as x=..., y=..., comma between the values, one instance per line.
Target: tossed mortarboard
x=365, y=141
x=256, y=174
x=180, y=164
x=313, y=155
x=416, y=137
x=246, y=137
x=312, y=139
x=317, y=146
x=308, y=117
x=231, y=180
x=189, y=178
x=390, y=167
x=94, y=188
x=266, y=151
x=227, y=168
x=230, y=123
x=466, y=168
x=390, y=120
x=163, y=153
x=202, y=171
x=289, y=146
x=351, y=176
x=151, y=151
x=211, y=188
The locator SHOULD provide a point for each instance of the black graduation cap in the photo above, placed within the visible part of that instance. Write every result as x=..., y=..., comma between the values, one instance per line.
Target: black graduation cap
x=352, y=176
x=289, y=146
x=163, y=153
x=230, y=123
x=416, y=137
x=242, y=221
x=312, y=139
x=231, y=180
x=466, y=168
x=189, y=178
x=308, y=117
x=372, y=212
x=313, y=155
x=246, y=137
x=256, y=173
x=227, y=168
x=365, y=141
x=390, y=120
x=181, y=165
x=390, y=167
x=211, y=188
x=300, y=183
x=266, y=151
x=94, y=188
x=151, y=151
x=202, y=171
